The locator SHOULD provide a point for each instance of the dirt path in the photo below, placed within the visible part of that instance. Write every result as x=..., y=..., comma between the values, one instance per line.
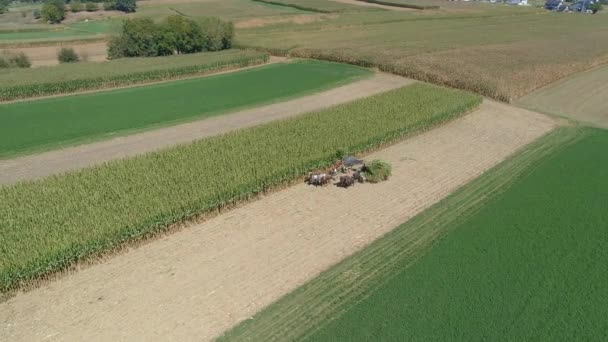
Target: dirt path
x=196, y=283
x=47, y=55
x=367, y=4
x=71, y=158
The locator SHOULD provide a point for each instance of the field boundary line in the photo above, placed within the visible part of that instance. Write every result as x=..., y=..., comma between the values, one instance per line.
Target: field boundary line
x=307, y=309
x=29, y=167
x=225, y=69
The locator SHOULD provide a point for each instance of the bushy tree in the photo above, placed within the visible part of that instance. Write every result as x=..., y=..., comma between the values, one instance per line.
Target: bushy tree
x=76, y=6
x=596, y=7
x=67, y=55
x=219, y=33
x=91, y=7
x=137, y=38
x=141, y=37
x=184, y=35
x=53, y=11
x=36, y=14
x=4, y=6
x=9, y=60
x=109, y=5
x=127, y=6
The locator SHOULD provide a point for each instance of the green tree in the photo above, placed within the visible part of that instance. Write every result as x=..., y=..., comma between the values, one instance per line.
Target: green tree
x=186, y=35
x=109, y=5
x=91, y=6
x=219, y=33
x=137, y=38
x=596, y=7
x=53, y=11
x=4, y=6
x=67, y=55
x=127, y=6
x=76, y=6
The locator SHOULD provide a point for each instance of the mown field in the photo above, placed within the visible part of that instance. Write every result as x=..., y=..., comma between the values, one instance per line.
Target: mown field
x=49, y=224
x=581, y=97
x=69, y=78
x=48, y=123
x=503, y=52
x=519, y=254
x=71, y=31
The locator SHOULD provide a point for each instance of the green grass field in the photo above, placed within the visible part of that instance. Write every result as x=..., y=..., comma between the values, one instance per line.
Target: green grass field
x=519, y=254
x=47, y=225
x=48, y=123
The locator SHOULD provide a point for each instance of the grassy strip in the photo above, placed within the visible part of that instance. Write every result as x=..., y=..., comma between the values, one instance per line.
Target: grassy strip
x=529, y=265
x=51, y=123
x=48, y=225
x=68, y=81
x=401, y=4
x=303, y=312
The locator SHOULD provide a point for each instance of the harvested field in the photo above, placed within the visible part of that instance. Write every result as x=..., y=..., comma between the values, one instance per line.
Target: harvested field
x=95, y=210
x=73, y=158
x=73, y=77
x=371, y=5
x=521, y=256
x=212, y=275
x=71, y=120
x=320, y=6
x=464, y=50
x=404, y=4
x=581, y=97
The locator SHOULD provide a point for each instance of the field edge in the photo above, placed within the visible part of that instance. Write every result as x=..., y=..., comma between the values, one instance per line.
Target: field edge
x=307, y=309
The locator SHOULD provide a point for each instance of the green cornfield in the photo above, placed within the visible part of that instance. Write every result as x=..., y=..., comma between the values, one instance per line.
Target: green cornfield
x=20, y=84
x=47, y=225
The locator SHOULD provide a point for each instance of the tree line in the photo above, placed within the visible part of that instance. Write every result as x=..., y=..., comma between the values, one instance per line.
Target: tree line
x=142, y=37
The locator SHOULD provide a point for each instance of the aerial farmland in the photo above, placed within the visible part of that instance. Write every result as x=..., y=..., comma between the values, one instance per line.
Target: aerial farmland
x=303, y=170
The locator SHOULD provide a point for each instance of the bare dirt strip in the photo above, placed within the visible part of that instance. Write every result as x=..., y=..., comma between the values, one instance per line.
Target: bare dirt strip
x=196, y=283
x=47, y=55
x=369, y=4
x=77, y=157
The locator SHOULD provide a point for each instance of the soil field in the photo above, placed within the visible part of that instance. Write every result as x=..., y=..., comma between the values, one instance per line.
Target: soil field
x=581, y=97
x=77, y=157
x=525, y=261
x=51, y=123
x=198, y=282
x=47, y=55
